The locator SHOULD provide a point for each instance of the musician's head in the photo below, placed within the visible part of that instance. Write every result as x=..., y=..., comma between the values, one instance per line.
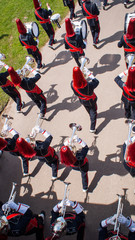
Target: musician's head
x=67, y=156
x=131, y=29
x=25, y=148
x=3, y=226
x=14, y=76
x=130, y=83
x=20, y=26
x=78, y=79
x=130, y=154
x=69, y=28
x=3, y=143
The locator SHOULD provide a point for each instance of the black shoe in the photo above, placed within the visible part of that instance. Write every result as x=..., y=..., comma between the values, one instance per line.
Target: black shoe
x=94, y=45
x=43, y=66
x=42, y=115
x=50, y=46
x=103, y=7
x=1, y=152
x=54, y=41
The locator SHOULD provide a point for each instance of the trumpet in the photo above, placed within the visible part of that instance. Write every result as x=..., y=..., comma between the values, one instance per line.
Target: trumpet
x=84, y=61
x=66, y=194
x=75, y=128
x=24, y=71
x=33, y=133
x=119, y=211
x=4, y=133
x=11, y=197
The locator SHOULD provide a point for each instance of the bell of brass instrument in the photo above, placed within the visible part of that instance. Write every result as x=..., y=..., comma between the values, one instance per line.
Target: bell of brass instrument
x=130, y=59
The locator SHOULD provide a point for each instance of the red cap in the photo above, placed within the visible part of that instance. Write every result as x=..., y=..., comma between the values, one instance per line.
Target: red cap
x=24, y=148
x=36, y=4
x=14, y=76
x=67, y=156
x=3, y=143
x=69, y=28
x=20, y=26
x=78, y=79
x=130, y=155
x=130, y=83
x=131, y=29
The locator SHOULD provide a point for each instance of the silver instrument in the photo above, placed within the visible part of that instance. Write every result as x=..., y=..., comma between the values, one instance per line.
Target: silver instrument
x=11, y=197
x=119, y=211
x=83, y=60
x=130, y=59
x=24, y=71
x=4, y=133
x=75, y=128
x=2, y=64
x=66, y=194
x=33, y=134
x=56, y=19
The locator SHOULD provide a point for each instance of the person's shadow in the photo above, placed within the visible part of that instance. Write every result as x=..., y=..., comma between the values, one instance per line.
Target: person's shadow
x=113, y=113
x=111, y=165
x=107, y=63
x=115, y=37
x=70, y=103
x=116, y=2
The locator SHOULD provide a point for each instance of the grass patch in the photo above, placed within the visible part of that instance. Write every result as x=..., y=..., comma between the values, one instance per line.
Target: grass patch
x=9, y=41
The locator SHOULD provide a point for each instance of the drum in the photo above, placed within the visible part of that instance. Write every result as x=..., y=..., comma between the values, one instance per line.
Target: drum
x=80, y=28
x=55, y=19
x=32, y=27
x=128, y=16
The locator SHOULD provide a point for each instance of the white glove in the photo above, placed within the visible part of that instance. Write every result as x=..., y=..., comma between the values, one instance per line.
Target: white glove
x=77, y=207
x=45, y=133
x=121, y=75
x=22, y=208
x=19, y=72
x=13, y=131
x=38, y=129
x=6, y=66
x=91, y=76
x=58, y=206
x=5, y=207
x=6, y=127
x=76, y=138
x=67, y=142
x=107, y=221
x=123, y=220
x=69, y=203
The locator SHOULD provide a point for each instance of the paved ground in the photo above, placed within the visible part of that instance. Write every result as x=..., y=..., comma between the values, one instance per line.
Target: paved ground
x=107, y=176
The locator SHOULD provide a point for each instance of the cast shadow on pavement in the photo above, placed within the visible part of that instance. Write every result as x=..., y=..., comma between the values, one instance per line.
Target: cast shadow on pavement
x=4, y=35
x=116, y=2
x=62, y=58
x=70, y=104
x=112, y=164
x=115, y=37
x=113, y=113
x=107, y=63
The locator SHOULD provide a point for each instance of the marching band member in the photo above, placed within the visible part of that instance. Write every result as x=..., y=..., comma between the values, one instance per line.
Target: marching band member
x=128, y=40
x=85, y=92
x=8, y=87
x=77, y=160
x=71, y=6
x=44, y=152
x=129, y=156
x=91, y=12
x=21, y=221
x=27, y=40
x=104, y=234
x=15, y=145
x=29, y=85
x=71, y=223
x=128, y=88
x=42, y=15
x=74, y=42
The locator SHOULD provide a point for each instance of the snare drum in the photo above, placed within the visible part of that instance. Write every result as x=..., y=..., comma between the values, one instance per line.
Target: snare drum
x=128, y=16
x=32, y=27
x=80, y=28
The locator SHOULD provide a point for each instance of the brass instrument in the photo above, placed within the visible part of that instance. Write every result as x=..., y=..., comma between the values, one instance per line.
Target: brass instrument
x=11, y=197
x=117, y=224
x=4, y=133
x=24, y=71
x=66, y=194
x=130, y=59
x=2, y=64
x=75, y=128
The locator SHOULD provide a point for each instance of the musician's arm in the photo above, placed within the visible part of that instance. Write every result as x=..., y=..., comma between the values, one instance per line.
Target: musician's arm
x=118, y=79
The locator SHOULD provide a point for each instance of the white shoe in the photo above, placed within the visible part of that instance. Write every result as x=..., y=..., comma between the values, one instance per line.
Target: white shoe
x=54, y=178
x=25, y=174
x=92, y=131
x=38, y=70
x=85, y=190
